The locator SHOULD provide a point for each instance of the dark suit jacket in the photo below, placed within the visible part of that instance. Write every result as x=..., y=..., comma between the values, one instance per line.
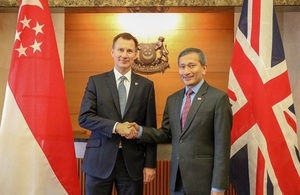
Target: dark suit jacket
x=100, y=111
x=202, y=148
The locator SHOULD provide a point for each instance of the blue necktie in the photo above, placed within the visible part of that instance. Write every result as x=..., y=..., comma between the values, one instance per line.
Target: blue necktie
x=122, y=94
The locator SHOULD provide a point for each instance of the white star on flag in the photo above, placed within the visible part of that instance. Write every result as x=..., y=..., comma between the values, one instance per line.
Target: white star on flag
x=17, y=36
x=22, y=50
x=36, y=46
x=25, y=22
x=38, y=28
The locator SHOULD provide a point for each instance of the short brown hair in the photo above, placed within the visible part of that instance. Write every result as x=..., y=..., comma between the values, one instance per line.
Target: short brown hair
x=126, y=36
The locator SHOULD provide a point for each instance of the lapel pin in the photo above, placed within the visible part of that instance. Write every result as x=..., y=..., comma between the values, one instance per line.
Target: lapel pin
x=136, y=83
x=199, y=98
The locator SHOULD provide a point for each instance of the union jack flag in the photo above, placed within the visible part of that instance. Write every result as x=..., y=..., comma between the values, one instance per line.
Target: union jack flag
x=264, y=151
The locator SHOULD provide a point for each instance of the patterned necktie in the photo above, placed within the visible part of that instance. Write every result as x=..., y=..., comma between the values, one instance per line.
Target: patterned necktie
x=122, y=94
x=186, y=107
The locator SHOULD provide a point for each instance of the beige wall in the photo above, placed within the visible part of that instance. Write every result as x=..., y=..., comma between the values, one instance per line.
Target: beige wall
x=7, y=34
x=291, y=41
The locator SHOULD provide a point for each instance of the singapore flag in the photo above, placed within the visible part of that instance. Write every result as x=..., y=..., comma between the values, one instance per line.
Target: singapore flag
x=37, y=155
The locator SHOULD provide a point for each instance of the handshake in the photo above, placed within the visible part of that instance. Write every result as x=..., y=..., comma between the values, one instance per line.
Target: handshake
x=128, y=130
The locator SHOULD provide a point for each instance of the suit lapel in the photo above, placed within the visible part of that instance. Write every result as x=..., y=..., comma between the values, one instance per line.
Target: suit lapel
x=111, y=84
x=177, y=111
x=196, y=104
x=133, y=88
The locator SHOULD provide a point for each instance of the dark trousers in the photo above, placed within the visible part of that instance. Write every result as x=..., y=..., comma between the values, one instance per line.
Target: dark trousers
x=120, y=177
x=179, y=186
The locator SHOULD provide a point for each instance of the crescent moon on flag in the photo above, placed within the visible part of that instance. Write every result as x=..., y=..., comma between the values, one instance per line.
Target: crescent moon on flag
x=32, y=2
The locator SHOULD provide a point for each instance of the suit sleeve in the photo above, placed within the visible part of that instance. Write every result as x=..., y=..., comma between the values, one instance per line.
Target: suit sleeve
x=88, y=115
x=222, y=128
x=161, y=135
x=151, y=149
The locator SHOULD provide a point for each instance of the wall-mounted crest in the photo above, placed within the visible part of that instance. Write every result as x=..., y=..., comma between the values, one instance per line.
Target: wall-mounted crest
x=153, y=57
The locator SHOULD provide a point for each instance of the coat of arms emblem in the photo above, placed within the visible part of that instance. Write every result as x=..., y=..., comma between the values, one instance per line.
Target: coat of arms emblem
x=153, y=57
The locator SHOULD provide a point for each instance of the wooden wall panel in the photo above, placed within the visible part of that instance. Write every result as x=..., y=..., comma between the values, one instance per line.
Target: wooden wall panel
x=87, y=51
x=88, y=42
x=89, y=21
x=216, y=44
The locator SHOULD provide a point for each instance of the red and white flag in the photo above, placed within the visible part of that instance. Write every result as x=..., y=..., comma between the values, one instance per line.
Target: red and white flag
x=37, y=154
x=264, y=152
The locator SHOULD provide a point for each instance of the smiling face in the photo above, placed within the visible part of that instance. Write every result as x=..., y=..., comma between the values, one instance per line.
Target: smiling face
x=190, y=70
x=124, y=53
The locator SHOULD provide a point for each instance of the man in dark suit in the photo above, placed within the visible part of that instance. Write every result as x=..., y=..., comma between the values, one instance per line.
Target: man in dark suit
x=201, y=145
x=110, y=158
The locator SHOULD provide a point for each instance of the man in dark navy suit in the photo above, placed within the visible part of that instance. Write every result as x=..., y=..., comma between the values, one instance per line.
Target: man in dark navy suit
x=109, y=157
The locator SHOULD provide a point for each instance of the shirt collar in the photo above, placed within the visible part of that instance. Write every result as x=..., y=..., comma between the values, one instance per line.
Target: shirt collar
x=196, y=87
x=118, y=75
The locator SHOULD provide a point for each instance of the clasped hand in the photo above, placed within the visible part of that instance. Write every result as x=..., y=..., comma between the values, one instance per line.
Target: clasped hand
x=128, y=130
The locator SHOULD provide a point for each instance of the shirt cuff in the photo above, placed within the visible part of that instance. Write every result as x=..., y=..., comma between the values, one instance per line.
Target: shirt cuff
x=139, y=135
x=114, y=128
x=217, y=190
